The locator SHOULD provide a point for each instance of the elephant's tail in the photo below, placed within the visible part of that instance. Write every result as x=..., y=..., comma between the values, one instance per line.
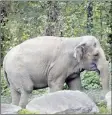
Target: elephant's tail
x=5, y=77
x=4, y=71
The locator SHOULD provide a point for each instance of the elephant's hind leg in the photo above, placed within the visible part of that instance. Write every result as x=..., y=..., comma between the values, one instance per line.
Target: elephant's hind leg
x=15, y=96
x=24, y=99
x=26, y=89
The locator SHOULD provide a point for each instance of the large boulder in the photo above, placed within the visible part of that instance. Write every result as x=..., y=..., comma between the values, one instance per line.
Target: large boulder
x=9, y=109
x=63, y=102
x=108, y=100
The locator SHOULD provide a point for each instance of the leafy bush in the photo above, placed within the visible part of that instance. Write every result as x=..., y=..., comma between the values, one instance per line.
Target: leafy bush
x=4, y=87
x=103, y=108
x=65, y=87
x=40, y=92
x=90, y=80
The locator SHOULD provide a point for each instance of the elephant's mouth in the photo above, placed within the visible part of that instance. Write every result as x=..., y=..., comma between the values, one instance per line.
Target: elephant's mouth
x=93, y=67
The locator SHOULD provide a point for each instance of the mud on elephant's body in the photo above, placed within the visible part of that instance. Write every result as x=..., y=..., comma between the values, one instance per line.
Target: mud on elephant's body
x=50, y=61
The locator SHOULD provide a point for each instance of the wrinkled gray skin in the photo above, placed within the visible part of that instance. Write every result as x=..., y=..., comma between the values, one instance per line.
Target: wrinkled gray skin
x=50, y=61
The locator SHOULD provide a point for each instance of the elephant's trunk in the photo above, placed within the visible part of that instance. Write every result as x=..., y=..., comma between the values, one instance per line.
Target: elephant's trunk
x=104, y=73
x=104, y=70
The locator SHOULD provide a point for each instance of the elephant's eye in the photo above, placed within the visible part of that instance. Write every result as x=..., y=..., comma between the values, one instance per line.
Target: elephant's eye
x=96, y=54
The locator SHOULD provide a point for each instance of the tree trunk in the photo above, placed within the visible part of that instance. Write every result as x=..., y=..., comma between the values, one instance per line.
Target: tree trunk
x=101, y=24
x=53, y=11
x=4, y=7
x=89, y=17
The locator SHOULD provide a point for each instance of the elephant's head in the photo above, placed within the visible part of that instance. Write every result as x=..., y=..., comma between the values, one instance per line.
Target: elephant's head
x=90, y=55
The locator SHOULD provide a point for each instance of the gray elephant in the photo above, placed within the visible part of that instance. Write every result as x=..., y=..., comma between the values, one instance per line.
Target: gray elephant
x=50, y=61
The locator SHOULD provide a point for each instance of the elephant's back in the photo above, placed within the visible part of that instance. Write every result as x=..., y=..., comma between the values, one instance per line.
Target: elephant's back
x=41, y=47
x=35, y=45
x=35, y=55
x=39, y=50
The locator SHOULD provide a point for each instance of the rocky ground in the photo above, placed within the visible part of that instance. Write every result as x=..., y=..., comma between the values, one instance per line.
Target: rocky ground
x=96, y=96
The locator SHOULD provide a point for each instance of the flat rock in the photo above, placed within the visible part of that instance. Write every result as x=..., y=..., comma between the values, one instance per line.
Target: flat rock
x=63, y=102
x=9, y=109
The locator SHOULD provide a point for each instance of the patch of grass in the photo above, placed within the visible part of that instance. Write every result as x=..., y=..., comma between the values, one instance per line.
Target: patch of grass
x=103, y=108
x=25, y=111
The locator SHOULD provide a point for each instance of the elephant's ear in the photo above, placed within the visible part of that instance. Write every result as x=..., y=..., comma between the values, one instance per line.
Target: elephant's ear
x=79, y=51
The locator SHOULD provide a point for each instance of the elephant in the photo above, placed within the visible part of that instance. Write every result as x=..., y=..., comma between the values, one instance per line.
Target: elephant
x=50, y=61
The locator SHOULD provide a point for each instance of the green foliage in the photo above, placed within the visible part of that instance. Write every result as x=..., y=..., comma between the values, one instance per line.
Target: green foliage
x=103, y=108
x=65, y=87
x=4, y=86
x=25, y=111
x=90, y=80
x=40, y=92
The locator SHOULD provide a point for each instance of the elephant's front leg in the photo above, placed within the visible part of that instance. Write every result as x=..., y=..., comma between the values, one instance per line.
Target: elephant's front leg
x=56, y=84
x=74, y=83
